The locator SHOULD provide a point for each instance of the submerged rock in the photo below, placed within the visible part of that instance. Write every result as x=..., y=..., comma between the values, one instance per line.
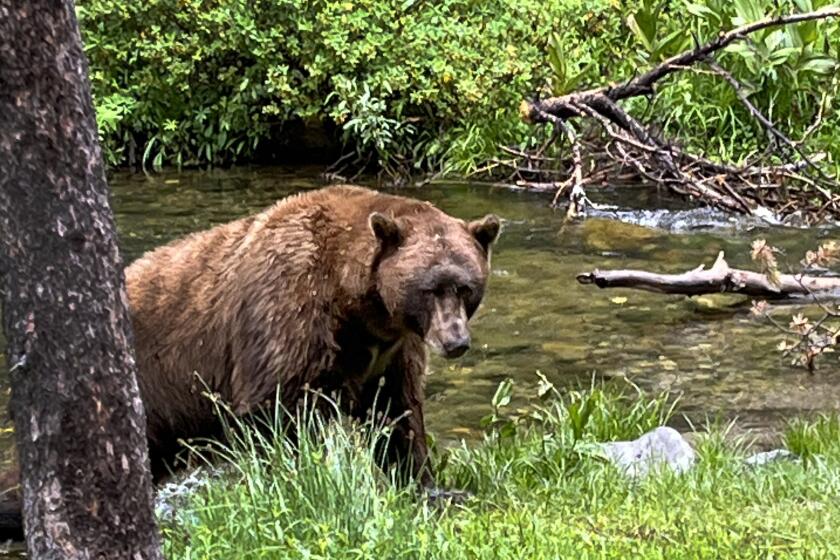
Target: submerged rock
x=662, y=447
x=773, y=456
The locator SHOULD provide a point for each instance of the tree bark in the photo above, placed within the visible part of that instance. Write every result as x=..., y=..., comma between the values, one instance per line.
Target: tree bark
x=79, y=421
x=719, y=278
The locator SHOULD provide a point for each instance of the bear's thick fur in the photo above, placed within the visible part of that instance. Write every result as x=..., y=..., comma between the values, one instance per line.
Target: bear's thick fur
x=337, y=289
x=332, y=289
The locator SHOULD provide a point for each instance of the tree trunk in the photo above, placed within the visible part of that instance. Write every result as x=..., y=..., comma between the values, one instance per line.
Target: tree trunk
x=79, y=420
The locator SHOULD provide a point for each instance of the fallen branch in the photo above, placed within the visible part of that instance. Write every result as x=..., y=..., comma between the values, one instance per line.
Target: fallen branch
x=754, y=188
x=719, y=278
x=564, y=105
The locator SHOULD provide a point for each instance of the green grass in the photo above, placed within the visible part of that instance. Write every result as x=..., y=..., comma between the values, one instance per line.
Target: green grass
x=540, y=491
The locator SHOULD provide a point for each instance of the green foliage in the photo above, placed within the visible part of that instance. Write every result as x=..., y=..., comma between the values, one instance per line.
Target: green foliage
x=553, y=434
x=812, y=439
x=650, y=28
x=790, y=73
x=540, y=494
x=591, y=415
x=428, y=84
x=431, y=85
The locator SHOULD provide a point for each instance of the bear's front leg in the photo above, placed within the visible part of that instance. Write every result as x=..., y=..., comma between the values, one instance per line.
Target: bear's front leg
x=396, y=400
x=403, y=395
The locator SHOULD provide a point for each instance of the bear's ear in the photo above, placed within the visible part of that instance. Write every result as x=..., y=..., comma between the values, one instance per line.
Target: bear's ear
x=485, y=230
x=385, y=229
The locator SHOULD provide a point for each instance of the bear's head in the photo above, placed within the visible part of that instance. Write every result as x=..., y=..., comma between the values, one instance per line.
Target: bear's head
x=430, y=272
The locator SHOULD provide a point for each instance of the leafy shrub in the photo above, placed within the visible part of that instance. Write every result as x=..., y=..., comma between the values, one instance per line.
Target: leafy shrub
x=422, y=82
x=789, y=73
x=428, y=84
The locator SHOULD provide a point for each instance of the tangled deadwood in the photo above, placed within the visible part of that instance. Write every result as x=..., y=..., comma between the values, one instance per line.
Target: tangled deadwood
x=760, y=188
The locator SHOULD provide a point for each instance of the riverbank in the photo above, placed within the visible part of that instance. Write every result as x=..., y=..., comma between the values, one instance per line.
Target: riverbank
x=539, y=489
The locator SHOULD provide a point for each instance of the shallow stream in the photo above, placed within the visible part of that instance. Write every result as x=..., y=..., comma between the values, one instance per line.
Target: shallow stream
x=536, y=316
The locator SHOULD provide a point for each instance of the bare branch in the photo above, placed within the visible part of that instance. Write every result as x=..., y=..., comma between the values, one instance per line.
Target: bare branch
x=719, y=278
x=564, y=106
x=577, y=198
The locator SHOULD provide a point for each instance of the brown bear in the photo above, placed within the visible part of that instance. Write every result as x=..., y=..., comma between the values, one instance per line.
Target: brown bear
x=337, y=289
x=331, y=289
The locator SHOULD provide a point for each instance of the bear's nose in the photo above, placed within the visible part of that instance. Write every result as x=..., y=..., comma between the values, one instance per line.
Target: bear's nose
x=455, y=347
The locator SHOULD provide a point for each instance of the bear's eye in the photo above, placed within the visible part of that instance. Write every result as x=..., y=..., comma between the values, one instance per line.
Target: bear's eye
x=464, y=292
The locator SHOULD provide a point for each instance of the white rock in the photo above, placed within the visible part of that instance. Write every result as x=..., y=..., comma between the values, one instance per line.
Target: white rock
x=661, y=447
x=771, y=457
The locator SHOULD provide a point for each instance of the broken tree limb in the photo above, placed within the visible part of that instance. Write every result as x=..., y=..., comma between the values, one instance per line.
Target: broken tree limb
x=763, y=186
x=719, y=278
x=577, y=197
x=564, y=105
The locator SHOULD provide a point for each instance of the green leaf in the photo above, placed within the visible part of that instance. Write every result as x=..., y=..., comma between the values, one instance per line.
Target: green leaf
x=819, y=64
x=503, y=394
x=642, y=32
x=807, y=32
x=507, y=430
x=674, y=43
x=700, y=10
x=781, y=56
x=748, y=10
x=148, y=151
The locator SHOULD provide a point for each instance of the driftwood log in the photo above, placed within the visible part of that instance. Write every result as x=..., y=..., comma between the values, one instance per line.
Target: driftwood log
x=719, y=278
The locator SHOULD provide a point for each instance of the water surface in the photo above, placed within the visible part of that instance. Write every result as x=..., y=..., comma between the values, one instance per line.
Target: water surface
x=536, y=317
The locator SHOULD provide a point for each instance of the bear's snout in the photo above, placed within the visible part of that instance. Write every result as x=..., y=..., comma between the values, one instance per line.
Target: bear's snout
x=448, y=332
x=455, y=347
